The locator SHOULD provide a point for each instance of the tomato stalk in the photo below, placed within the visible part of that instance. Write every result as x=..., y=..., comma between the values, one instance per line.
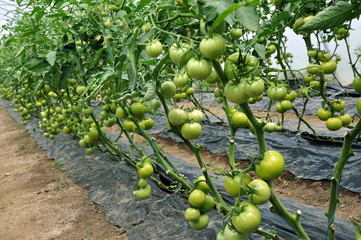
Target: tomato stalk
x=336, y=179
x=277, y=205
x=196, y=150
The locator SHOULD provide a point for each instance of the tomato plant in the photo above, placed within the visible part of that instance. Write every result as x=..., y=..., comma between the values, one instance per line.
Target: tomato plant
x=86, y=68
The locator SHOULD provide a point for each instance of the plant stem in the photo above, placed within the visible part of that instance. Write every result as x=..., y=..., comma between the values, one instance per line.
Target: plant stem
x=336, y=179
x=277, y=206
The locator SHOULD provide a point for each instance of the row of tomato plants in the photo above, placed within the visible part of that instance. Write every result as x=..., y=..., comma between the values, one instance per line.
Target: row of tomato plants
x=173, y=61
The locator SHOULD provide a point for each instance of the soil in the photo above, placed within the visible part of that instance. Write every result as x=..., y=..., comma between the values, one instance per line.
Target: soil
x=38, y=201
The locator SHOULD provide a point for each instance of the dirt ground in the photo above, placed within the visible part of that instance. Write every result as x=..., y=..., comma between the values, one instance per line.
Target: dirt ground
x=38, y=201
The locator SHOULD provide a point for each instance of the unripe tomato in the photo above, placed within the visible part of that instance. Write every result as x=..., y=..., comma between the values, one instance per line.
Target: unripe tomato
x=324, y=114
x=199, y=69
x=191, y=131
x=208, y=204
x=120, y=113
x=313, y=68
x=195, y=116
x=259, y=192
x=192, y=214
x=142, y=182
x=143, y=193
x=80, y=90
x=236, y=93
x=248, y=219
x=291, y=96
x=329, y=67
x=213, y=78
x=272, y=48
x=197, y=198
x=231, y=234
x=356, y=84
x=345, y=119
x=177, y=116
x=154, y=49
x=271, y=166
x=235, y=65
x=239, y=119
x=333, y=124
x=236, y=33
x=286, y=105
x=90, y=150
x=279, y=108
x=276, y=92
x=138, y=110
x=155, y=104
x=202, y=185
x=146, y=170
x=255, y=87
x=180, y=53
x=190, y=91
x=202, y=222
x=212, y=47
x=338, y=105
x=181, y=79
x=169, y=89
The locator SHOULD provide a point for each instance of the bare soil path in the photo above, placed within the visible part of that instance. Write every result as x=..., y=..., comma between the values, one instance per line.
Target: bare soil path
x=38, y=201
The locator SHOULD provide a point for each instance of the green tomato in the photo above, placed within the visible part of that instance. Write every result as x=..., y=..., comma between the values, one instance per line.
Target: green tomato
x=271, y=166
x=191, y=131
x=236, y=33
x=232, y=234
x=239, y=119
x=259, y=192
x=356, y=84
x=199, y=69
x=276, y=92
x=235, y=65
x=338, y=105
x=202, y=222
x=169, y=89
x=177, y=116
x=180, y=53
x=255, y=87
x=324, y=114
x=248, y=219
x=195, y=116
x=154, y=49
x=236, y=93
x=345, y=119
x=313, y=68
x=138, y=110
x=146, y=170
x=329, y=67
x=212, y=47
x=192, y=214
x=181, y=79
x=197, y=198
x=143, y=193
x=208, y=204
x=333, y=123
x=142, y=182
x=201, y=184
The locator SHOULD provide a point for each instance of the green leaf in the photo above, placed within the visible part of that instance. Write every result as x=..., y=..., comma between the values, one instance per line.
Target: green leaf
x=225, y=13
x=41, y=67
x=150, y=92
x=131, y=60
x=261, y=50
x=142, y=4
x=248, y=17
x=212, y=8
x=65, y=73
x=332, y=16
x=51, y=57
